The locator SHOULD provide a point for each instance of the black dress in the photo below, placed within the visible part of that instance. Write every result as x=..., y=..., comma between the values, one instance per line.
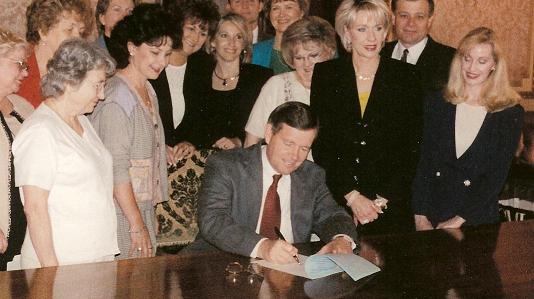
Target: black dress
x=217, y=114
x=18, y=219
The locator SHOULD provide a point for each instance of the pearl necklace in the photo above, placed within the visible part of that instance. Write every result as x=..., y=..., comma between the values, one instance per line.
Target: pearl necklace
x=365, y=78
x=225, y=80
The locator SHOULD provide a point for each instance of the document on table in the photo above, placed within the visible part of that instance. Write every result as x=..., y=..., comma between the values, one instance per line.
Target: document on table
x=321, y=265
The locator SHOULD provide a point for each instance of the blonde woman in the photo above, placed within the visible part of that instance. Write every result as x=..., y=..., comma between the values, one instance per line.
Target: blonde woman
x=13, y=110
x=471, y=132
x=225, y=95
x=370, y=112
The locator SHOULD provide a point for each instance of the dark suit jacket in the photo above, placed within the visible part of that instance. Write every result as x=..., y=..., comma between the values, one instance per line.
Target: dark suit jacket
x=230, y=201
x=198, y=66
x=376, y=154
x=433, y=64
x=215, y=114
x=446, y=186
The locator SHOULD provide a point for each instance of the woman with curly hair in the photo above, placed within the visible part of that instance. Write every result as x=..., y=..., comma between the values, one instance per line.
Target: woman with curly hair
x=63, y=168
x=130, y=127
x=49, y=23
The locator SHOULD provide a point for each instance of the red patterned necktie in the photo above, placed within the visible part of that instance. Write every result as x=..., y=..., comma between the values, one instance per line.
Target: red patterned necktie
x=271, y=210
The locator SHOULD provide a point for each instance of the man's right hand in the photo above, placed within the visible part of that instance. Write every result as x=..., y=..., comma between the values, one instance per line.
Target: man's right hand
x=277, y=251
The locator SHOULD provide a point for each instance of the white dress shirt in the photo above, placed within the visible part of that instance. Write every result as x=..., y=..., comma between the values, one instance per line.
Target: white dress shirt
x=413, y=52
x=284, y=192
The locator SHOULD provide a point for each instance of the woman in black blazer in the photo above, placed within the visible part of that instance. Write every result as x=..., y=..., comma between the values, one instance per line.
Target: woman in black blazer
x=226, y=93
x=175, y=87
x=370, y=114
x=471, y=132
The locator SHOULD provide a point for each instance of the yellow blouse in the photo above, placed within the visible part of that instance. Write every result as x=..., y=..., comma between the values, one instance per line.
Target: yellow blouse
x=364, y=99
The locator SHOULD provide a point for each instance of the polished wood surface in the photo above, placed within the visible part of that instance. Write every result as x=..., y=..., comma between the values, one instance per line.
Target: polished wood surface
x=486, y=262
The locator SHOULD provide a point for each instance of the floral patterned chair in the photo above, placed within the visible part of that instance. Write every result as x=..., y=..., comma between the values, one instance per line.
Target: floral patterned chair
x=177, y=217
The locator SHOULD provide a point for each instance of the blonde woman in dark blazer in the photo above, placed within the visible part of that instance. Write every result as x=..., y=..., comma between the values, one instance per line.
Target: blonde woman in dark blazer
x=369, y=108
x=471, y=132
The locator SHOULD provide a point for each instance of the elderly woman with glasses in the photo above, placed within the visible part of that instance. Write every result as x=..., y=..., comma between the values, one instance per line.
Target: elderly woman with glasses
x=305, y=43
x=49, y=23
x=13, y=111
x=63, y=168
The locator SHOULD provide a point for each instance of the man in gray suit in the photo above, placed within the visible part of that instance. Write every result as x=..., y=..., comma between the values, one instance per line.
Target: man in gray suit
x=235, y=200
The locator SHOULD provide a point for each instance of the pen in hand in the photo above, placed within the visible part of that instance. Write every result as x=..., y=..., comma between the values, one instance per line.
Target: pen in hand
x=281, y=237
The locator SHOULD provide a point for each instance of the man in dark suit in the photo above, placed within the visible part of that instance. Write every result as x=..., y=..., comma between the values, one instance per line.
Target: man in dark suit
x=412, y=20
x=246, y=193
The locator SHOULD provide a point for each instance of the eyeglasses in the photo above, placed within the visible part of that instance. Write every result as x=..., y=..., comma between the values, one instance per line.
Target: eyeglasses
x=23, y=65
x=234, y=269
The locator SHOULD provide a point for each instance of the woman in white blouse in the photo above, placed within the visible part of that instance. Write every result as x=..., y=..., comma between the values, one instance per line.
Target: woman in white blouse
x=471, y=132
x=305, y=43
x=62, y=166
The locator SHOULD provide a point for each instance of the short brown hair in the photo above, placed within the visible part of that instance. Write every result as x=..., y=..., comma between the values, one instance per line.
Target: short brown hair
x=303, y=4
x=41, y=15
x=308, y=29
x=294, y=114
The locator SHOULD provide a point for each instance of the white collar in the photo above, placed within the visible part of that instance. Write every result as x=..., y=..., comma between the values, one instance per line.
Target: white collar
x=268, y=169
x=414, y=51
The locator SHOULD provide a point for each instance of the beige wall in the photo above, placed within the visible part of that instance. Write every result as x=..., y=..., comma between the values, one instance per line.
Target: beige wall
x=12, y=15
x=511, y=19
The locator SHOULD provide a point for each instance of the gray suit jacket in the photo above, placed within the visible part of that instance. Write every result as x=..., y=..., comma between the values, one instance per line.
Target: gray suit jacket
x=230, y=201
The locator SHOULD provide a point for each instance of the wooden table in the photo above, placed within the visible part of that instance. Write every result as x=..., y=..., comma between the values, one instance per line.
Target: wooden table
x=486, y=262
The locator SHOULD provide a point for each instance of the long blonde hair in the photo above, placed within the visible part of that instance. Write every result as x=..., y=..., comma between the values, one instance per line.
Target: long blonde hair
x=497, y=94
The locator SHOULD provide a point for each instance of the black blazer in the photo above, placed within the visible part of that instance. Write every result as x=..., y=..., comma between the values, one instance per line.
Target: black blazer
x=446, y=186
x=433, y=64
x=376, y=154
x=198, y=66
x=223, y=114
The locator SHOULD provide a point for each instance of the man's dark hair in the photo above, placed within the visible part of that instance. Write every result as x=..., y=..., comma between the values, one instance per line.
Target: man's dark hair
x=430, y=5
x=294, y=114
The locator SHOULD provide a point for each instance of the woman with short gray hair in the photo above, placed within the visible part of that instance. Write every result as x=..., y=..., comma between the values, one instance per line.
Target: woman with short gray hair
x=63, y=168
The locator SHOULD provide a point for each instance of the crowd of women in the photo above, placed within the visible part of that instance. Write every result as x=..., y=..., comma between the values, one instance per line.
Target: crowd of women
x=162, y=81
